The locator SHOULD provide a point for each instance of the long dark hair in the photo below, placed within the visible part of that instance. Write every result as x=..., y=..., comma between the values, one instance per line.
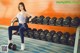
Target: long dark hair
x=21, y=3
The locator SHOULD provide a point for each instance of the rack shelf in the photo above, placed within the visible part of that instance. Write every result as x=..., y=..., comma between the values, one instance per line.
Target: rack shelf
x=71, y=30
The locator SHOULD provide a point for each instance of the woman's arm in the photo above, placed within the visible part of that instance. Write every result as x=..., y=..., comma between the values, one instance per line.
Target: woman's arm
x=13, y=21
x=29, y=15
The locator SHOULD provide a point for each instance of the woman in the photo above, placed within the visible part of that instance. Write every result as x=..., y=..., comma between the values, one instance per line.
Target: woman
x=21, y=16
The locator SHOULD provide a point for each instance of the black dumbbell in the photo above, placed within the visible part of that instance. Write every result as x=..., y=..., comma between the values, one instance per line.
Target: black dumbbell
x=67, y=35
x=46, y=31
x=59, y=33
x=48, y=37
x=42, y=36
x=67, y=21
x=29, y=33
x=36, y=35
x=52, y=21
x=34, y=20
x=60, y=21
x=57, y=36
x=46, y=20
x=52, y=32
x=71, y=40
x=64, y=38
x=40, y=30
x=75, y=22
x=12, y=46
x=34, y=30
x=40, y=19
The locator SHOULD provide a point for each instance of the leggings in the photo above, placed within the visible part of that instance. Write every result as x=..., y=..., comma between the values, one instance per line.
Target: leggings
x=21, y=29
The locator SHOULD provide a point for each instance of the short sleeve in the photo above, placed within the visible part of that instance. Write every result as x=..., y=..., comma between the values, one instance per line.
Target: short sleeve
x=17, y=15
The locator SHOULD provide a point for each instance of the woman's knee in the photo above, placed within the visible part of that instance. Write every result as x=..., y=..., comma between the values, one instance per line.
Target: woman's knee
x=10, y=27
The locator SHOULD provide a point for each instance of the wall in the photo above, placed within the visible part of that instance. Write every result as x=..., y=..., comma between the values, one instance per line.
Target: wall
x=8, y=9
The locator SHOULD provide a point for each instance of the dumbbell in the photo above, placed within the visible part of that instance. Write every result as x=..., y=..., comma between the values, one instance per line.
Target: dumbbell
x=67, y=35
x=52, y=21
x=42, y=36
x=60, y=21
x=75, y=22
x=64, y=38
x=12, y=46
x=52, y=32
x=49, y=35
x=46, y=20
x=29, y=33
x=57, y=36
x=34, y=20
x=40, y=19
x=34, y=30
x=36, y=35
x=40, y=30
x=67, y=21
x=46, y=31
x=59, y=33
x=71, y=40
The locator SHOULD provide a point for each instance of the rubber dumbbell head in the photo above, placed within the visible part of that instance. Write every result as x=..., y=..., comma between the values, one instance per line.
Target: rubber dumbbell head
x=60, y=21
x=52, y=21
x=67, y=21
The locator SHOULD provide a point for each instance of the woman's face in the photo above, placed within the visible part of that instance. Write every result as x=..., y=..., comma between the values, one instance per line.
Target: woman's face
x=21, y=7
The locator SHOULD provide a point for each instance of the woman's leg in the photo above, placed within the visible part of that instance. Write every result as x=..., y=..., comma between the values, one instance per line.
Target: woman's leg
x=10, y=32
x=22, y=29
x=21, y=32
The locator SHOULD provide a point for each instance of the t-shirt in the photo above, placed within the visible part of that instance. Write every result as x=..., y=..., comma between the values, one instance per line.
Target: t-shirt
x=21, y=17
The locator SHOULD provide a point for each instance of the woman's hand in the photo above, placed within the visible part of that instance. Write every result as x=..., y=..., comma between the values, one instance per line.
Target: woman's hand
x=30, y=19
x=30, y=16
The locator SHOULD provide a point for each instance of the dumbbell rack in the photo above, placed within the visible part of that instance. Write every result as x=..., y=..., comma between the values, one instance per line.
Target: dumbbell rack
x=71, y=30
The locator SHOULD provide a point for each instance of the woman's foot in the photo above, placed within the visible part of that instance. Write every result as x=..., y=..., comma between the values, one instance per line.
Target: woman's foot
x=22, y=46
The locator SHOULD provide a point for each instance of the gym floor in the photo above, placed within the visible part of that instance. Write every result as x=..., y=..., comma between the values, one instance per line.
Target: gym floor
x=33, y=45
